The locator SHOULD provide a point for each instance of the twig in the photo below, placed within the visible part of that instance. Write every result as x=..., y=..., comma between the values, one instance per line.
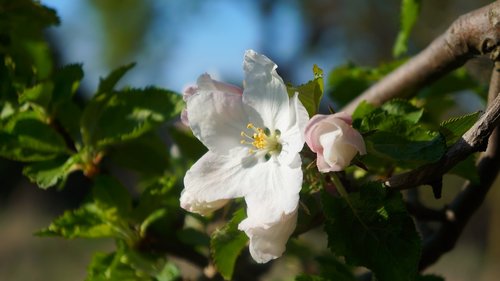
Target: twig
x=472, y=34
x=474, y=140
x=471, y=197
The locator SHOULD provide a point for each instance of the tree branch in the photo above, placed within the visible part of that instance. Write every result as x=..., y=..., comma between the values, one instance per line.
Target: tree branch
x=472, y=34
x=474, y=140
x=472, y=195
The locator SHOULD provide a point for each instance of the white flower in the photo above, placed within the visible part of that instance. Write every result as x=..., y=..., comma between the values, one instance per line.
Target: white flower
x=253, y=138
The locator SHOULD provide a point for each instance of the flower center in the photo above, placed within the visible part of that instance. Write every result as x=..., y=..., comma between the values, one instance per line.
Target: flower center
x=262, y=140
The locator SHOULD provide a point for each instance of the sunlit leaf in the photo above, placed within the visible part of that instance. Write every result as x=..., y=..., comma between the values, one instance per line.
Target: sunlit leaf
x=454, y=128
x=120, y=116
x=310, y=93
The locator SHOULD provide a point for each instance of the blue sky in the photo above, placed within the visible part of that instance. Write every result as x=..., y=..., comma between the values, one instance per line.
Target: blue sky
x=213, y=40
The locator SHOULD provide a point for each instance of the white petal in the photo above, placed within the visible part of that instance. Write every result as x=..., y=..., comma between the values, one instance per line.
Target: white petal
x=265, y=92
x=216, y=118
x=274, y=192
x=292, y=137
x=215, y=178
x=269, y=242
x=336, y=152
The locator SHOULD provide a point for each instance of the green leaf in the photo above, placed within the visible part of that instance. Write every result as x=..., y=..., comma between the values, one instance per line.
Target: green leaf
x=189, y=146
x=393, y=132
x=27, y=138
x=158, y=195
x=410, y=9
x=403, y=109
x=66, y=82
x=108, y=193
x=372, y=228
x=105, y=216
x=147, y=154
x=310, y=93
x=128, y=265
x=116, y=117
x=108, y=83
x=85, y=222
x=363, y=109
x=407, y=151
x=40, y=94
x=347, y=81
x=226, y=245
x=334, y=269
x=453, y=129
x=51, y=172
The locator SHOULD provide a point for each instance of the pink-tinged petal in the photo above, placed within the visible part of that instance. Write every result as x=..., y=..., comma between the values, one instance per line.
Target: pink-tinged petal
x=215, y=178
x=184, y=117
x=216, y=118
x=265, y=92
x=269, y=242
x=274, y=192
x=343, y=116
x=206, y=83
x=334, y=140
x=312, y=134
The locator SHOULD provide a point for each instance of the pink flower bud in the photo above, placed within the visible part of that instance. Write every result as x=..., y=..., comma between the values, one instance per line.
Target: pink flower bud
x=334, y=141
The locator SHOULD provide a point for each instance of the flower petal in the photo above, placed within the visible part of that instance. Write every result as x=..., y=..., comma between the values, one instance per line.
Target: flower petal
x=269, y=242
x=265, y=92
x=292, y=137
x=215, y=178
x=274, y=191
x=215, y=114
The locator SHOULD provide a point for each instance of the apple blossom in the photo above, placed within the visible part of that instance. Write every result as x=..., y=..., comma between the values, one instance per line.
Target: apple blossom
x=334, y=141
x=253, y=138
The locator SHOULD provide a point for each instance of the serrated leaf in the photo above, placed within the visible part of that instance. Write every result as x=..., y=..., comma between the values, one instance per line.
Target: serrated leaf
x=66, y=82
x=128, y=265
x=108, y=83
x=310, y=93
x=410, y=9
x=104, y=216
x=85, y=222
x=49, y=173
x=403, y=109
x=116, y=117
x=454, y=128
x=406, y=151
x=159, y=194
x=372, y=228
x=226, y=245
x=27, y=138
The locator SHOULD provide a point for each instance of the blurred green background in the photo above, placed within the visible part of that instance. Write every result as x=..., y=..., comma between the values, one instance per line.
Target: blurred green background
x=175, y=41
